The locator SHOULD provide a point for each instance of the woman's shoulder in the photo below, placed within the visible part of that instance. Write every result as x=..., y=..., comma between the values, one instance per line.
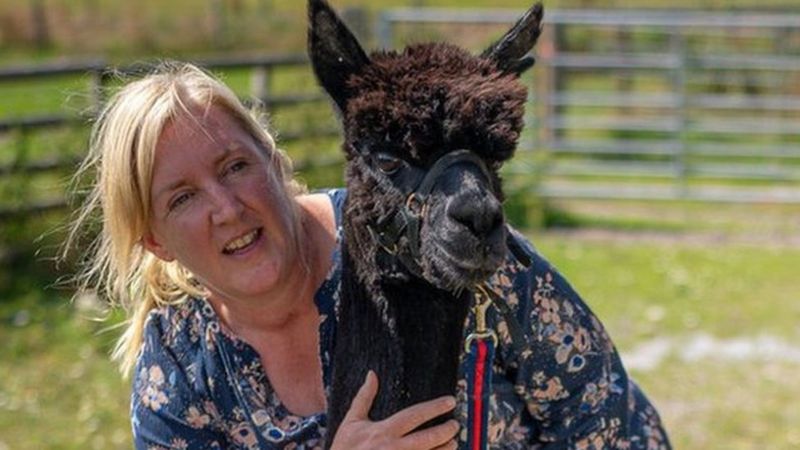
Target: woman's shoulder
x=177, y=331
x=327, y=203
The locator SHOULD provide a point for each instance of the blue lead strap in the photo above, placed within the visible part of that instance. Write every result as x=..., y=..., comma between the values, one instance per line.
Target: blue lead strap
x=480, y=346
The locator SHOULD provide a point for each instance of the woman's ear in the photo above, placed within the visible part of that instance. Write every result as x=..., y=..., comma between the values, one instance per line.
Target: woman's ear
x=152, y=245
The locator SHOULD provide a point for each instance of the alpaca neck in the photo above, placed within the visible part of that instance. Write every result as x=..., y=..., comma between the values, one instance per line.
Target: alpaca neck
x=409, y=333
x=429, y=328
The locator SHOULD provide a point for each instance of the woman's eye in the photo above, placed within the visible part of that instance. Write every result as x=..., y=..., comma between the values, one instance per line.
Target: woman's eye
x=388, y=164
x=179, y=200
x=237, y=166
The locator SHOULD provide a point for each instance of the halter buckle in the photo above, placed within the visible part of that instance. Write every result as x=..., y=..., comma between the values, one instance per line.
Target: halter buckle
x=378, y=238
x=482, y=304
x=416, y=206
x=491, y=335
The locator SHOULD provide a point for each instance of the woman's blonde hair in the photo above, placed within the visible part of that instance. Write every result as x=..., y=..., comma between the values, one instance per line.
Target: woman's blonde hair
x=121, y=154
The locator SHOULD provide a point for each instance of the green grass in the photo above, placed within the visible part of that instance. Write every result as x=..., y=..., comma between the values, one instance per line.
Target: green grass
x=727, y=291
x=24, y=98
x=60, y=391
x=727, y=406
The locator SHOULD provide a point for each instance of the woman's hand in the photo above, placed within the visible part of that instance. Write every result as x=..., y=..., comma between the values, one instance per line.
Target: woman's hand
x=394, y=433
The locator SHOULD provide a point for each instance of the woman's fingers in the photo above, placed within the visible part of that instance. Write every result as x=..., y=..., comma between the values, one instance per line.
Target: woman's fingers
x=452, y=444
x=441, y=436
x=362, y=402
x=396, y=432
x=412, y=417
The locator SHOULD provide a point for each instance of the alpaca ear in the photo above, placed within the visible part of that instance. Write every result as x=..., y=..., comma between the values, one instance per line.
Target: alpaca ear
x=510, y=51
x=335, y=53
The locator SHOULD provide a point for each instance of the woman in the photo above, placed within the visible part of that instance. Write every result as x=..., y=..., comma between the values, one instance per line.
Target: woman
x=229, y=272
x=225, y=267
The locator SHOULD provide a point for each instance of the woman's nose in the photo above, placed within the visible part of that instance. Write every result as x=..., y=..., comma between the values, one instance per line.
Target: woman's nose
x=225, y=205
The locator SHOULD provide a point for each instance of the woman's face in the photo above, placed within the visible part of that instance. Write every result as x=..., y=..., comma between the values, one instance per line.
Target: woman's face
x=218, y=208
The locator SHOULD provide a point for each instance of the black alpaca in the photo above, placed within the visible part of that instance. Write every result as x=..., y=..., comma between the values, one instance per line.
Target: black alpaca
x=414, y=245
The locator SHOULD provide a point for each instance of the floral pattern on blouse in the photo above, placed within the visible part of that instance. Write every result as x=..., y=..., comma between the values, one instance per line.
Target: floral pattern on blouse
x=198, y=386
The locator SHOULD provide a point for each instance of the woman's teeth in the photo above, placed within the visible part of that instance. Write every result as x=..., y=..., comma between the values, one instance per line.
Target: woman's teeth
x=242, y=242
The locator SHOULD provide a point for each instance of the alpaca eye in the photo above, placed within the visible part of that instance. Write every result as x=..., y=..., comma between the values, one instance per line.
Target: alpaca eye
x=388, y=164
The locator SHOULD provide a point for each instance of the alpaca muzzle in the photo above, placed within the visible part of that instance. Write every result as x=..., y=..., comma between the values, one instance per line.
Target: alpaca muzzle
x=407, y=220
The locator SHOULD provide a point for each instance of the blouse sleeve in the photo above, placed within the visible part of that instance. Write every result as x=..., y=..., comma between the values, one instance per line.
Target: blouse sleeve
x=571, y=378
x=166, y=413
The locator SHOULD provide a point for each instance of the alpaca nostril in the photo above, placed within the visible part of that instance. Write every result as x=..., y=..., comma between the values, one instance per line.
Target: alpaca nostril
x=480, y=216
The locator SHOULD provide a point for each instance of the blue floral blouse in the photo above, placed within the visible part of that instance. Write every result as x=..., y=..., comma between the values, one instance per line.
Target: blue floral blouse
x=196, y=385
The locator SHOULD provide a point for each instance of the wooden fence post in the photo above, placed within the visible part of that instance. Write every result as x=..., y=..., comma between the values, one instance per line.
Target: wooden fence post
x=260, y=83
x=96, y=94
x=41, y=31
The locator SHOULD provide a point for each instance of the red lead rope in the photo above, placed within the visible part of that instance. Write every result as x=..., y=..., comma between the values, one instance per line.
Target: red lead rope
x=479, y=380
x=480, y=346
x=477, y=398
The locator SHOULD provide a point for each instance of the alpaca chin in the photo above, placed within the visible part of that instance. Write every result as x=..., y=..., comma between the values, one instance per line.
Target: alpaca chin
x=461, y=261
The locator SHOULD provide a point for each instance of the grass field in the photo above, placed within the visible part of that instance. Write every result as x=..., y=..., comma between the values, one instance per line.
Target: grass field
x=58, y=389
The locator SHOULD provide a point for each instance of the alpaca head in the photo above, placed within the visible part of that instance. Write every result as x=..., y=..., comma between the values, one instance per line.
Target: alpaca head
x=431, y=118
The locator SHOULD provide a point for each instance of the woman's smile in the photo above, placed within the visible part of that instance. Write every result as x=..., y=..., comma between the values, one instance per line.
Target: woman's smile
x=243, y=244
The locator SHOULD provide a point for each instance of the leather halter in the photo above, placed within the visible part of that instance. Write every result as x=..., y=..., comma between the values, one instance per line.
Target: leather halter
x=407, y=221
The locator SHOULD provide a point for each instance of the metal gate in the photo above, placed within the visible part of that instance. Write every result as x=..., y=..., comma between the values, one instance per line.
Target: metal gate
x=650, y=104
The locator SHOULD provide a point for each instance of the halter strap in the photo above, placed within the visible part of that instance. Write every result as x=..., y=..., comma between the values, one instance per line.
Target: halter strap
x=407, y=221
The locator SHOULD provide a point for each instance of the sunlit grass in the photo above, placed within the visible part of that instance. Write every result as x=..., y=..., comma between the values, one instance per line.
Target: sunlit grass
x=728, y=290
x=733, y=405
x=59, y=389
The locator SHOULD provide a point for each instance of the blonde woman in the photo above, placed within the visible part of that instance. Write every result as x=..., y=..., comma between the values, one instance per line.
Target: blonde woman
x=228, y=271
